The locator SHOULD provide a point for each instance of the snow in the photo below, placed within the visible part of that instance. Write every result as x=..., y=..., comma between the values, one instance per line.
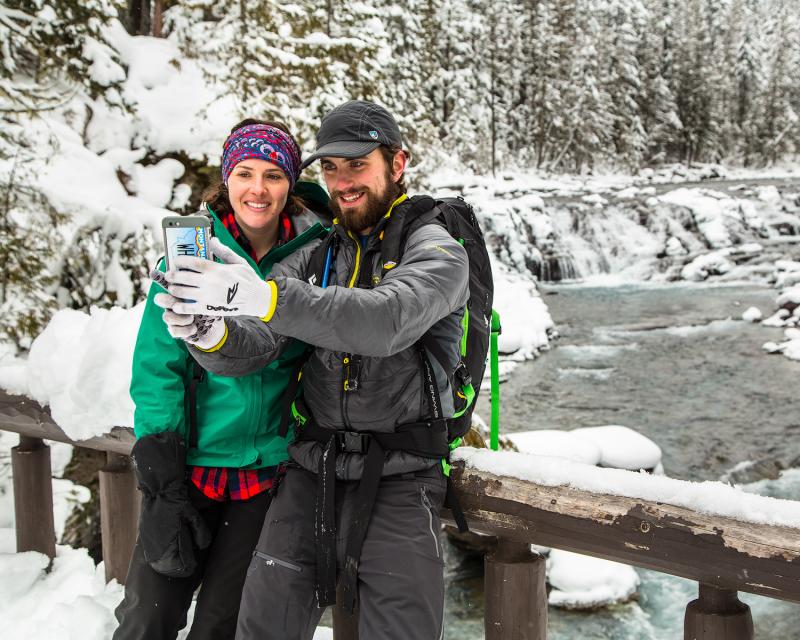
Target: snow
x=80, y=366
x=695, y=329
x=177, y=109
x=583, y=582
x=524, y=317
x=558, y=444
x=711, y=498
x=702, y=267
x=71, y=602
x=609, y=446
x=789, y=296
x=622, y=447
x=752, y=314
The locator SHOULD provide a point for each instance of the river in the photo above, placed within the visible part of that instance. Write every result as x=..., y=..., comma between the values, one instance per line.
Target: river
x=676, y=363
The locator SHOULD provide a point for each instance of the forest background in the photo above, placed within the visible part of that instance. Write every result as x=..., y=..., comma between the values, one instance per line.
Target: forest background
x=570, y=86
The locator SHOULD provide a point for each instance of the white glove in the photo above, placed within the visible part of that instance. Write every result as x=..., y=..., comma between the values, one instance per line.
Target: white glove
x=205, y=332
x=210, y=288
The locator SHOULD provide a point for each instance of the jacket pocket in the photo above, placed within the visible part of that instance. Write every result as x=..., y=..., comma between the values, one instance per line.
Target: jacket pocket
x=271, y=561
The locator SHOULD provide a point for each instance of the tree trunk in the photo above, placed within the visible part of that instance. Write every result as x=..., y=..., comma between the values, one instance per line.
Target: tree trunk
x=138, y=22
x=158, y=18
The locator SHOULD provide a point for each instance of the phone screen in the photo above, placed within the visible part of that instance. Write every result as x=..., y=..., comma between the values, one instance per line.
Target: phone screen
x=186, y=241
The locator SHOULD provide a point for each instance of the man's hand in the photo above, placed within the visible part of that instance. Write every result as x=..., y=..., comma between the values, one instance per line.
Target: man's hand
x=209, y=288
x=204, y=332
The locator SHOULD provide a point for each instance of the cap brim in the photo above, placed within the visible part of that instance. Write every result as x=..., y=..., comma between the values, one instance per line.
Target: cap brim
x=341, y=149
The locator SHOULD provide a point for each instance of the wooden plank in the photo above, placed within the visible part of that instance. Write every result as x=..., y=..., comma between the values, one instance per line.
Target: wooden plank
x=33, y=497
x=717, y=551
x=120, y=502
x=27, y=417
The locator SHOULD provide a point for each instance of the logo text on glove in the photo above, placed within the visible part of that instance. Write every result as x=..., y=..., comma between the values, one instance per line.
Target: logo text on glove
x=211, y=307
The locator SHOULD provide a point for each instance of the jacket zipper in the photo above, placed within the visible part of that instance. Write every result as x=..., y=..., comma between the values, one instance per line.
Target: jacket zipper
x=269, y=560
x=426, y=503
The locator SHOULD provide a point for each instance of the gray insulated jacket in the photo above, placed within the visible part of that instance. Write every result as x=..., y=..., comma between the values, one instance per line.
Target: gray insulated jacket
x=428, y=290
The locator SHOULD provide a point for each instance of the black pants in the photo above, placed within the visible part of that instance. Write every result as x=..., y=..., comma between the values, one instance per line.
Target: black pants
x=155, y=606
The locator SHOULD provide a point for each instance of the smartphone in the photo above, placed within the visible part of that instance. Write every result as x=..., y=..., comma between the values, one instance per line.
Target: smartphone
x=186, y=236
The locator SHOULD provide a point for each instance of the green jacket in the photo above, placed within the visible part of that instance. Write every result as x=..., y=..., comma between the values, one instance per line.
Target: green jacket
x=237, y=418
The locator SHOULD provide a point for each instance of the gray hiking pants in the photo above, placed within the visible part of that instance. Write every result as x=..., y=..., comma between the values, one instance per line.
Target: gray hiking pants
x=400, y=574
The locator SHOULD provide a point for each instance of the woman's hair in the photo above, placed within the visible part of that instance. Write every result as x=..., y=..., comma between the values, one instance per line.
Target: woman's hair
x=216, y=196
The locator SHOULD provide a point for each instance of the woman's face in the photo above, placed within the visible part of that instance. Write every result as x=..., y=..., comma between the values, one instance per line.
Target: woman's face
x=258, y=191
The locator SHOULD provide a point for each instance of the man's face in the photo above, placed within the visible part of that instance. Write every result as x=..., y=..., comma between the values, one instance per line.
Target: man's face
x=362, y=189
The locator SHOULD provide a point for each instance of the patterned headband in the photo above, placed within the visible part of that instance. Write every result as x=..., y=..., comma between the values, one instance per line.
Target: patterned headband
x=264, y=142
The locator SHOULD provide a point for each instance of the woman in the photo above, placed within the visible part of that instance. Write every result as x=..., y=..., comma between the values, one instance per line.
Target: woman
x=207, y=449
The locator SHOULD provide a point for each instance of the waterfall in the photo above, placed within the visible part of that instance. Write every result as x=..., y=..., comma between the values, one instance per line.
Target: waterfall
x=644, y=237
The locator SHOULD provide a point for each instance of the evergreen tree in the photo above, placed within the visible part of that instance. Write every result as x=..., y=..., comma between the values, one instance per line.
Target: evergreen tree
x=656, y=100
x=29, y=240
x=620, y=31
x=42, y=67
x=276, y=59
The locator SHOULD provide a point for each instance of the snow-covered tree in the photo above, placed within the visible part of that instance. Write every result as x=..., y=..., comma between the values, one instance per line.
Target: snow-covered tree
x=48, y=55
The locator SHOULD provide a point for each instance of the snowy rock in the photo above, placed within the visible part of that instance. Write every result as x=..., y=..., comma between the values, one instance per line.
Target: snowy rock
x=789, y=299
x=583, y=582
x=753, y=314
x=622, y=447
x=778, y=319
x=558, y=444
x=629, y=192
x=768, y=193
x=596, y=199
x=674, y=247
x=711, y=264
x=719, y=217
x=750, y=471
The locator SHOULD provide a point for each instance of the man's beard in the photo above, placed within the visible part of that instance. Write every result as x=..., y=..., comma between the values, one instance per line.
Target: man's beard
x=370, y=212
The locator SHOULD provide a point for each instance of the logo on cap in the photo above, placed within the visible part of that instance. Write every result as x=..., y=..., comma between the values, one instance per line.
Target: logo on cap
x=373, y=135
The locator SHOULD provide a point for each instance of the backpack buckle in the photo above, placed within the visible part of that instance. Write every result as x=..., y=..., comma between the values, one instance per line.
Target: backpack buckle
x=463, y=373
x=352, y=441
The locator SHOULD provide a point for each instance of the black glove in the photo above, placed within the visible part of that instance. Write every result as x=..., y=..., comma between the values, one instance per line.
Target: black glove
x=169, y=527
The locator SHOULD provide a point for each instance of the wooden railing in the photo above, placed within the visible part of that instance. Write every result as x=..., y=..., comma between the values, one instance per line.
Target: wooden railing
x=723, y=555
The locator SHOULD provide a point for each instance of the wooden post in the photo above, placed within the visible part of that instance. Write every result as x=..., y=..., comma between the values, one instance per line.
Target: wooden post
x=33, y=496
x=717, y=614
x=119, y=515
x=515, y=593
x=345, y=625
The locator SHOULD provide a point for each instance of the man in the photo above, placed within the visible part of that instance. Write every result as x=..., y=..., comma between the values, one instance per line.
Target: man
x=371, y=428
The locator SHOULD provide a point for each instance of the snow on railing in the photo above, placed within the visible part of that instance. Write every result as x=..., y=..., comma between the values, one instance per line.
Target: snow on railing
x=726, y=540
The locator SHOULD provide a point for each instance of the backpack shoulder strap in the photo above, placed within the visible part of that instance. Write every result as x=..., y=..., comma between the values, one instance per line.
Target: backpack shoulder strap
x=319, y=262
x=401, y=224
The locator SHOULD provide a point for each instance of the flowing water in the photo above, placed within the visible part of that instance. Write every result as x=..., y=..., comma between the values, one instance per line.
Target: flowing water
x=676, y=363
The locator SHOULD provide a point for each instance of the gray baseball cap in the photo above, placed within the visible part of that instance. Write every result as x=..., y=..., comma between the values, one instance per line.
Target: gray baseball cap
x=355, y=129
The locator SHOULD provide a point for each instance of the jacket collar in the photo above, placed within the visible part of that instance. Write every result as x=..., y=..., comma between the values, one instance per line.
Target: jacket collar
x=397, y=205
